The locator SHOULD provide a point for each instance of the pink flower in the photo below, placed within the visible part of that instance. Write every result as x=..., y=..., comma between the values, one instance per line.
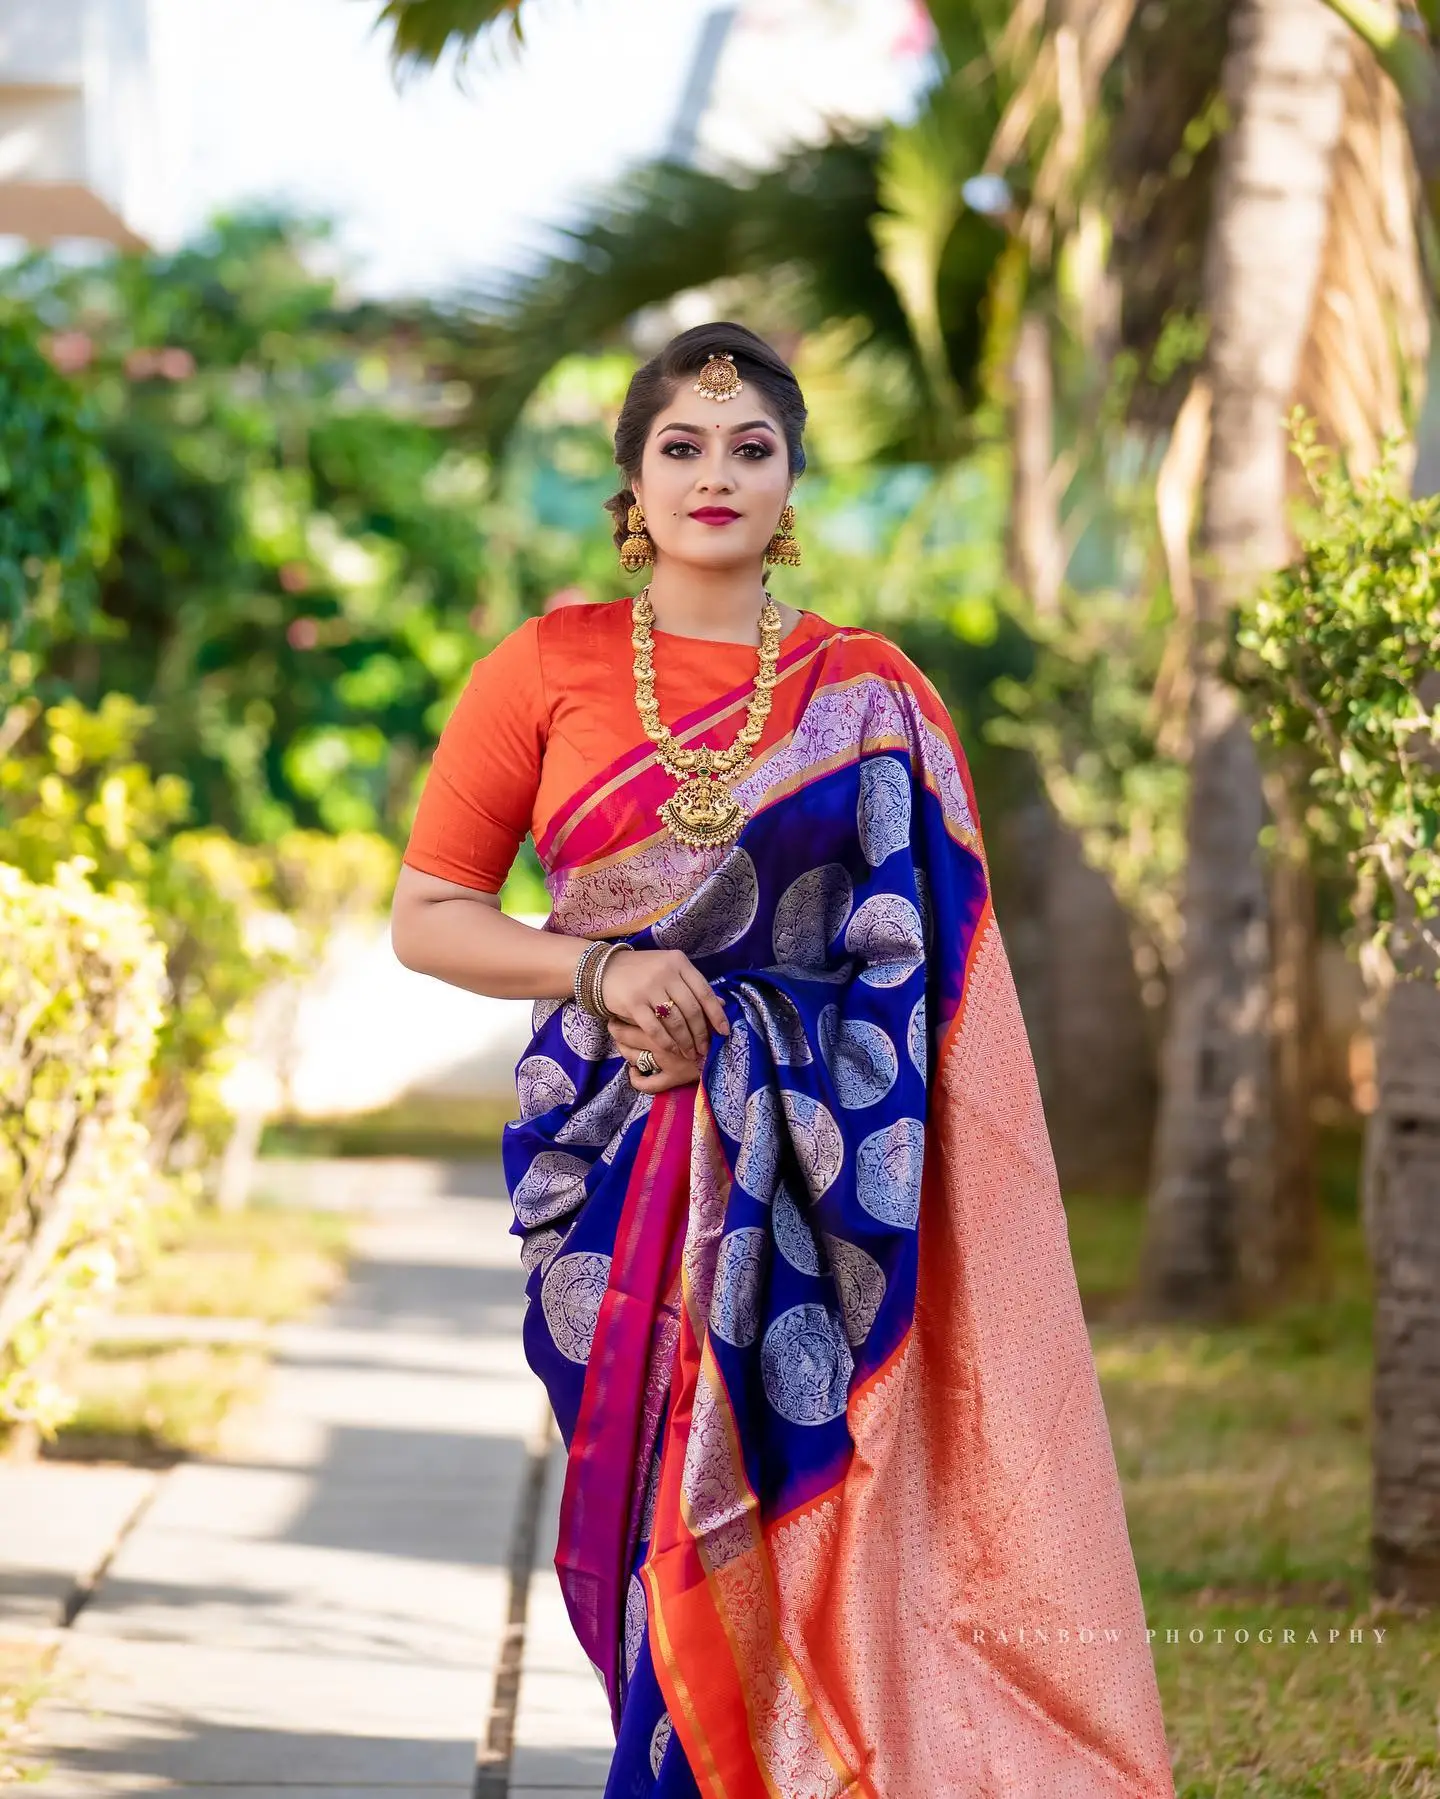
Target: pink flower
x=303, y=633
x=70, y=351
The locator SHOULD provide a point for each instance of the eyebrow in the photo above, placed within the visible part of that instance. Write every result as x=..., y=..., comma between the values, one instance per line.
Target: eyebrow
x=753, y=425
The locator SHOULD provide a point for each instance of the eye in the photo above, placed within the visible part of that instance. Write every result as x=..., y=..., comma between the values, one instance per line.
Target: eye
x=677, y=445
x=755, y=451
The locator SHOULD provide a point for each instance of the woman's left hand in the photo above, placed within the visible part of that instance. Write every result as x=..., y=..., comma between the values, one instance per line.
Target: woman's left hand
x=674, y=1069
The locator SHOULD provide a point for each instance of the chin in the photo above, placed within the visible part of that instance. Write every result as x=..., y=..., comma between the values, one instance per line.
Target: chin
x=715, y=552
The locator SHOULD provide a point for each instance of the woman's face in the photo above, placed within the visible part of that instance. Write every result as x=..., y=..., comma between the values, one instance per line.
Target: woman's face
x=713, y=479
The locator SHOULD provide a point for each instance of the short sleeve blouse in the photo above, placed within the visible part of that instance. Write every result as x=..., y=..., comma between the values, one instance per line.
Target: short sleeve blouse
x=540, y=715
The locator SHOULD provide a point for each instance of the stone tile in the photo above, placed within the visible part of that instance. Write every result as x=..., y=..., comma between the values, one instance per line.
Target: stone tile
x=58, y=1521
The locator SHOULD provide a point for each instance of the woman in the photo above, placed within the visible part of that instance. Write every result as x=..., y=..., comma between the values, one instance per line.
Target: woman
x=841, y=1514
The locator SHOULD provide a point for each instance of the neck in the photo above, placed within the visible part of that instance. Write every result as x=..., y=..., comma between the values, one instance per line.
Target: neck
x=723, y=603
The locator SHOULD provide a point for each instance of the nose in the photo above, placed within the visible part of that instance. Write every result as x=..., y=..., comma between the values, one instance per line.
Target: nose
x=715, y=476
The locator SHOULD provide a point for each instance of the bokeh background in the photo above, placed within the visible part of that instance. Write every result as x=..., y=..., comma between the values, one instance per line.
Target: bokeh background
x=1114, y=318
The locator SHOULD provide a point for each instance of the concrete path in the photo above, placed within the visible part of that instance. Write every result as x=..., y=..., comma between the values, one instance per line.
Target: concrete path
x=330, y=1608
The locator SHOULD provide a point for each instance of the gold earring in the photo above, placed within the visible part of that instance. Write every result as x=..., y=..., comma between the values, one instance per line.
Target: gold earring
x=783, y=547
x=637, y=549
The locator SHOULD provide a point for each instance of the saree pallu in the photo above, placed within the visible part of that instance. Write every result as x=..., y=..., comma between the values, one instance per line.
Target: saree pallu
x=841, y=1513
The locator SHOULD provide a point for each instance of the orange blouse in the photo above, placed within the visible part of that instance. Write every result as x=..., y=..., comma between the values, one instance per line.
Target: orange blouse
x=547, y=709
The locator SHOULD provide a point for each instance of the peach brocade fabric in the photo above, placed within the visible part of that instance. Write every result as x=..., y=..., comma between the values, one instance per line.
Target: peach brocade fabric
x=985, y=1588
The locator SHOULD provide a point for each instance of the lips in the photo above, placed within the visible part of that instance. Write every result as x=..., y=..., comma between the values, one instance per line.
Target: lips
x=714, y=515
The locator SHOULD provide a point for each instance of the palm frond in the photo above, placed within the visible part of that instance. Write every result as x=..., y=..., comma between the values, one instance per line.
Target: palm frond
x=421, y=31
x=671, y=229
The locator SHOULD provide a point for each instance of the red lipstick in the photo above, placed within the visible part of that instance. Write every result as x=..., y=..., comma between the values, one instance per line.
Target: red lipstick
x=714, y=515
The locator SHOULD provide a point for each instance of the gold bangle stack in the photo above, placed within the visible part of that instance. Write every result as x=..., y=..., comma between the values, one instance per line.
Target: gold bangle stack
x=701, y=812
x=589, y=971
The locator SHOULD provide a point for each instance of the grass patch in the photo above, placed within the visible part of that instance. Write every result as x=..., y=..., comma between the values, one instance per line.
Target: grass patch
x=1244, y=1451
x=25, y=1679
x=152, y=1404
x=267, y=1262
x=449, y=1129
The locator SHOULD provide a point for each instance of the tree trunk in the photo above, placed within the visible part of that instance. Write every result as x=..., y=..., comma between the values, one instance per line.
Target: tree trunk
x=1402, y=1179
x=1402, y=1219
x=1075, y=971
x=1215, y=1238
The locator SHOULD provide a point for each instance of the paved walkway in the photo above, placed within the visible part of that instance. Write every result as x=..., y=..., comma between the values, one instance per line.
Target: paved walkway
x=326, y=1609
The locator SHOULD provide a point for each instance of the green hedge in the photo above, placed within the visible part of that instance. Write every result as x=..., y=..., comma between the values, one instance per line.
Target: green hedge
x=82, y=1003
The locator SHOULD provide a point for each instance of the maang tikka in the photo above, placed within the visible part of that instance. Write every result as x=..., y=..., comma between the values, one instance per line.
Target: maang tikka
x=719, y=379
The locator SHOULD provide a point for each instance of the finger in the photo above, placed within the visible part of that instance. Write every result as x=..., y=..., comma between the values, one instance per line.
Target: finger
x=686, y=1021
x=710, y=1001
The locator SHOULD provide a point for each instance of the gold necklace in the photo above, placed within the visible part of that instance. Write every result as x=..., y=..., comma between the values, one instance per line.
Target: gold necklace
x=702, y=812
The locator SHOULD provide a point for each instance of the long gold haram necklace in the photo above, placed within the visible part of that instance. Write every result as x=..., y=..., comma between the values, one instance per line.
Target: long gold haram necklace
x=702, y=811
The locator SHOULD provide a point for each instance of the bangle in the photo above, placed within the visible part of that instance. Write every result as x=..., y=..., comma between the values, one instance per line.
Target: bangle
x=585, y=957
x=590, y=995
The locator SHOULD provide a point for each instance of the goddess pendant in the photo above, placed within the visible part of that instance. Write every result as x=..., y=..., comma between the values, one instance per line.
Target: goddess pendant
x=702, y=812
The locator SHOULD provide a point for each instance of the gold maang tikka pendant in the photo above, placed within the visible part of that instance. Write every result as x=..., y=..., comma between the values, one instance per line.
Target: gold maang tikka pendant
x=702, y=812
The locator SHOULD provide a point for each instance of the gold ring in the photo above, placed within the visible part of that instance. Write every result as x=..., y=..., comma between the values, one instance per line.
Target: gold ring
x=645, y=1063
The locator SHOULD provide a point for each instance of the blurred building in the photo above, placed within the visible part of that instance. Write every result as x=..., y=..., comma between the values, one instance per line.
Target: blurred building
x=768, y=74
x=79, y=150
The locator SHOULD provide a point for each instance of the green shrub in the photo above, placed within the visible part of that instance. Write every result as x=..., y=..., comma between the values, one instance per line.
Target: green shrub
x=1341, y=655
x=82, y=1005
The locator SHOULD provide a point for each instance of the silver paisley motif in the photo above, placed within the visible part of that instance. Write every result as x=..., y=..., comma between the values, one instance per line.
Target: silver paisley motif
x=542, y=1012
x=782, y=1025
x=718, y=913
x=759, y=1160
x=570, y=1297
x=793, y=1236
x=819, y=1146
x=861, y=1058
x=916, y=1038
x=538, y=1248
x=886, y=933
x=730, y=1081
x=735, y=1301
x=640, y=1105
x=634, y=1623
x=587, y=1036
x=540, y=1083
x=810, y=914
x=660, y=1742
x=887, y=1172
x=882, y=813
x=602, y=1115
x=860, y=1281
x=806, y=1364
x=552, y=1185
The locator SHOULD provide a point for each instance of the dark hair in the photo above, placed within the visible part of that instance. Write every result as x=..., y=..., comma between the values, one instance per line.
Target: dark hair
x=654, y=384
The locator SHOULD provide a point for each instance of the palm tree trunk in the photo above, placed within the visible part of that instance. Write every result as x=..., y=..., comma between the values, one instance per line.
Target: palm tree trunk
x=1078, y=980
x=1215, y=1239
x=1402, y=1217
x=1403, y=1214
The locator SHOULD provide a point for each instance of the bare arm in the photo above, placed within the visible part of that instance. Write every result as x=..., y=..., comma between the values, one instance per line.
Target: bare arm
x=459, y=934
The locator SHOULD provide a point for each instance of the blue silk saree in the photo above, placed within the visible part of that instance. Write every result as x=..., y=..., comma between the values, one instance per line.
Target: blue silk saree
x=841, y=1513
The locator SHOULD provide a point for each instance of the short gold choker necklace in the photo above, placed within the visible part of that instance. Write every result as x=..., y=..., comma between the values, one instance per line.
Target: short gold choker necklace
x=702, y=812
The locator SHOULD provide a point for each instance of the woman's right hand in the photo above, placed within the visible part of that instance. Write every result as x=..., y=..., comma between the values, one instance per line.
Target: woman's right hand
x=671, y=1069
x=634, y=982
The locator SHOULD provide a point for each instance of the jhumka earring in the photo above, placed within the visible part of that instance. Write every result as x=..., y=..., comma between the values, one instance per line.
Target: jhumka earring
x=783, y=547
x=637, y=549
x=719, y=379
